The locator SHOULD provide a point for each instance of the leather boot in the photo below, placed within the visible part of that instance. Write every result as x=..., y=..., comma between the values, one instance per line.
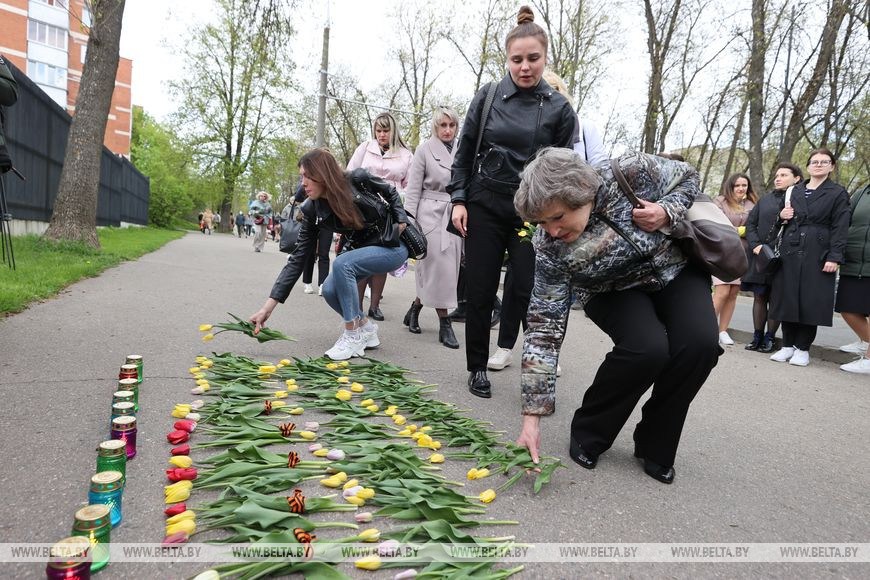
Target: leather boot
x=767, y=343
x=412, y=318
x=756, y=341
x=458, y=315
x=446, y=335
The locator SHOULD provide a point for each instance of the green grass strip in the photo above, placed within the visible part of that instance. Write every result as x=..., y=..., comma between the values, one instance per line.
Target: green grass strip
x=44, y=268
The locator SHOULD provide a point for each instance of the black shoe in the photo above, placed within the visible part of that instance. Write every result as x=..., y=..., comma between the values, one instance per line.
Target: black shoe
x=458, y=315
x=412, y=318
x=766, y=345
x=654, y=470
x=756, y=341
x=446, y=335
x=479, y=385
x=581, y=457
x=376, y=314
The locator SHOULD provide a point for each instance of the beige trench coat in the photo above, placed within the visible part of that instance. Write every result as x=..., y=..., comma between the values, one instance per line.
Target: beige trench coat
x=426, y=198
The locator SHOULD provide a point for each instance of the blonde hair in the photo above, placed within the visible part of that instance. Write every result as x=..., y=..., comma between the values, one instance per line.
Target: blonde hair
x=439, y=113
x=559, y=84
x=387, y=121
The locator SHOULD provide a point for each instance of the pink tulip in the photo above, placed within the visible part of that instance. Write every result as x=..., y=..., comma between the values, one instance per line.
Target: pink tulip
x=176, y=538
x=185, y=425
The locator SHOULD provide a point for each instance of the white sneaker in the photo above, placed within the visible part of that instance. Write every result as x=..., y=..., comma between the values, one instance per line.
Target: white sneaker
x=501, y=358
x=308, y=289
x=349, y=344
x=860, y=366
x=783, y=354
x=800, y=358
x=320, y=290
x=725, y=339
x=858, y=347
x=370, y=335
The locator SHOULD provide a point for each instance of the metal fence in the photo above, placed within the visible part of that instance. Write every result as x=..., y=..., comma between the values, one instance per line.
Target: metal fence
x=36, y=134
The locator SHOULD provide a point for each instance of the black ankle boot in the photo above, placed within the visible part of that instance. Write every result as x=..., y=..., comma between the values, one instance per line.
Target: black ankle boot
x=458, y=315
x=446, y=335
x=766, y=343
x=661, y=473
x=412, y=318
x=757, y=337
x=479, y=385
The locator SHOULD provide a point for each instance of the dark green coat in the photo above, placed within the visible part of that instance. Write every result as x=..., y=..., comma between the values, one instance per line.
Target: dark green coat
x=858, y=242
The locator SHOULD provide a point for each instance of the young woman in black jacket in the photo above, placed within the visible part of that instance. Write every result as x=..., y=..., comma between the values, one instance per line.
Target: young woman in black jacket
x=342, y=203
x=526, y=115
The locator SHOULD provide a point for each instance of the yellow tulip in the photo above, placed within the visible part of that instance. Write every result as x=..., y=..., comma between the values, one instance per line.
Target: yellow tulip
x=370, y=535
x=367, y=402
x=331, y=366
x=199, y=376
x=355, y=500
x=200, y=358
x=345, y=371
x=183, y=484
x=321, y=452
x=357, y=388
x=207, y=337
x=424, y=440
x=366, y=493
x=289, y=382
x=278, y=404
x=436, y=458
x=182, y=461
x=343, y=363
x=279, y=366
x=330, y=482
x=266, y=369
x=182, y=407
x=404, y=433
x=391, y=410
x=372, y=562
x=205, y=388
x=350, y=483
x=194, y=370
x=308, y=435
x=291, y=388
x=188, y=526
x=296, y=411
x=417, y=435
x=205, y=327
x=487, y=496
x=201, y=382
x=179, y=413
x=373, y=408
x=399, y=420
x=435, y=445
x=185, y=515
x=341, y=476
x=481, y=473
x=526, y=224
x=472, y=473
x=176, y=494
x=343, y=395
x=522, y=233
x=206, y=364
x=286, y=362
x=426, y=428
x=342, y=380
x=280, y=394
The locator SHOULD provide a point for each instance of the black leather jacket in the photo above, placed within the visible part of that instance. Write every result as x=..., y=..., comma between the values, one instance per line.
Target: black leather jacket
x=520, y=123
x=317, y=214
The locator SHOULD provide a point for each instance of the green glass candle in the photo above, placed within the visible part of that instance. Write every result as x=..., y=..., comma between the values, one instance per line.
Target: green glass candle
x=94, y=523
x=112, y=456
x=130, y=385
x=124, y=397
x=136, y=359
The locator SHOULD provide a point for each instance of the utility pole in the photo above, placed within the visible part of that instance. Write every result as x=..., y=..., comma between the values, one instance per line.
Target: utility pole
x=321, y=103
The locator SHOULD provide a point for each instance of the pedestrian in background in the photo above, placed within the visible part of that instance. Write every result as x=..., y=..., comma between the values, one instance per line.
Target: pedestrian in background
x=813, y=245
x=240, y=224
x=853, y=291
x=385, y=156
x=207, y=218
x=428, y=201
x=260, y=212
x=737, y=200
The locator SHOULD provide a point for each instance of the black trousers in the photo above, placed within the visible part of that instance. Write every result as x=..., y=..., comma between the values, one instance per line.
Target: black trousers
x=324, y=242
x=511, y=317
x=798, y=335
x=492, y=229
x=667, y=339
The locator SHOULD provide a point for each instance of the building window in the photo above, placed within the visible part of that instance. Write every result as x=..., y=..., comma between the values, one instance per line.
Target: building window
x=86, y=16
x=46, y=34
x=84, y=52
x=45, y=74
x=58, y=3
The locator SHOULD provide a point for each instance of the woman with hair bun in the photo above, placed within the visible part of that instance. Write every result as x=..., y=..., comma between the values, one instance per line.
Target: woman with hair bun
x=526, y=115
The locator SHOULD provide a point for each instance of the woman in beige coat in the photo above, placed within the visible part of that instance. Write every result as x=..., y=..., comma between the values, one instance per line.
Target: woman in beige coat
x=427, y=200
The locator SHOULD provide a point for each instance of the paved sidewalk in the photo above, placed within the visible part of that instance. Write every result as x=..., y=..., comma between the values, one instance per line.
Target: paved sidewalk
x=770, y=453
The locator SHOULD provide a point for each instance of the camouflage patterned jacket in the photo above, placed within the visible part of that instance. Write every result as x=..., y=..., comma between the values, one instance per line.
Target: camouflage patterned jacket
x=600, y=260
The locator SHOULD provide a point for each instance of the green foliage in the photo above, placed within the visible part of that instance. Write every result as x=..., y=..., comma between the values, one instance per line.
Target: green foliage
x=46, y=267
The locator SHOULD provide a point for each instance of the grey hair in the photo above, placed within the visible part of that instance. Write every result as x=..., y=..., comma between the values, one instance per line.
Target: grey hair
x=441, y=112
x=555, y=174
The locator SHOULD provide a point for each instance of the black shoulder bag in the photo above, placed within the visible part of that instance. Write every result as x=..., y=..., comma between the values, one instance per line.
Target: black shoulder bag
x=289, y=231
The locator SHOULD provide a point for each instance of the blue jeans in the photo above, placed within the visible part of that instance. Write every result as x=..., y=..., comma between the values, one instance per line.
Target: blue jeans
x=340, y=289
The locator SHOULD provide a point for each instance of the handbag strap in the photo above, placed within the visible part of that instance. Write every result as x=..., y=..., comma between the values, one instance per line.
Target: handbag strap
x=487, y=105
x=634, y=245
x=620, y=177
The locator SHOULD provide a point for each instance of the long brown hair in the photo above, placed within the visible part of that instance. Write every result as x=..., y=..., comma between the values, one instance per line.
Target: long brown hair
x=320, y=165
x=728, y=190
x=526, y=27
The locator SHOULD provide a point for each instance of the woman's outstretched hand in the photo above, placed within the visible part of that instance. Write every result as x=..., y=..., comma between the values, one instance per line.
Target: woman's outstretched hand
x=530, y=436
x=259, y=318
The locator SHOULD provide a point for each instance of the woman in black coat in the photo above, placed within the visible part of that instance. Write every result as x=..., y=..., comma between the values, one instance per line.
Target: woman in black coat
x=813, y=245
x=761, y=228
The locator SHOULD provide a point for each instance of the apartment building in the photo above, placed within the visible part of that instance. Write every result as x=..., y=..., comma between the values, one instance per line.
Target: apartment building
x=48, y=39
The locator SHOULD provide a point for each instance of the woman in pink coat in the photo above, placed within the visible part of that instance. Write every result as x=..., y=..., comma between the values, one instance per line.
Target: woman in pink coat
x=387, y=157
x=427, y=199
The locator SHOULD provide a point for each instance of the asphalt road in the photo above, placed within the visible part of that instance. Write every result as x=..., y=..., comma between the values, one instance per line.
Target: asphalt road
x=770, y=452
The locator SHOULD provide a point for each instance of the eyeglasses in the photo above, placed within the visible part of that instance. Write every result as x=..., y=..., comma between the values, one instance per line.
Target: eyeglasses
x=820, y=163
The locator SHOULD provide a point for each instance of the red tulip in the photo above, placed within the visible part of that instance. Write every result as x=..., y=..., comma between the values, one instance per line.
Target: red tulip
x=181, y=450
x=178, y=436
x=176, y=538
x=180, y=473
x=185, y=425
x=176, y=509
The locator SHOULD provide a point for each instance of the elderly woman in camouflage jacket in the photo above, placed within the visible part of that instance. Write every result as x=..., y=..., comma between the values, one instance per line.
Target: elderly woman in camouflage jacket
x=634, y=283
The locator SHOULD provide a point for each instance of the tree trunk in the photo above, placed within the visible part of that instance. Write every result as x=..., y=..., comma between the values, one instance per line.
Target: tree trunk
x=811, y=90
x=755, y=94
x=75, y=209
